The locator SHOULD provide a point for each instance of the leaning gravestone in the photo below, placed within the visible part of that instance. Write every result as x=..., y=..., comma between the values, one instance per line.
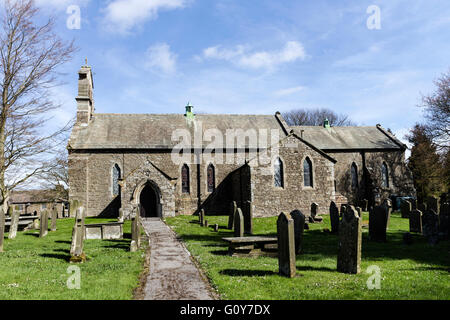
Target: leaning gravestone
x=433, y=203
x=286, y=246
x=14, y=225
x=334, y=217
x=444, y=216
x=78, y=234
x=405, y=208
x=415, y=221
x=233, y=209
x=43, y=226
x=377, y=223
x=299, y=226
x=54, y=217
x=238, y=223
x=350, y=239
x=2, y=227
x=248, y=218
x=430, y=226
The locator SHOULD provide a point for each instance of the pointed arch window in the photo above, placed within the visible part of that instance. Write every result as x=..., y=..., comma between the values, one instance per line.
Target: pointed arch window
x=278, y=173
x=116, y=174
x=211, y=176
x=185, y=179
x=307, y=173
x=354, y=174
x=385, y=175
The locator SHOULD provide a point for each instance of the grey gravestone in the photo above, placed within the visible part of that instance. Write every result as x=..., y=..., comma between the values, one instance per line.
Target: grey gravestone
x=388, y=205
x=78, y=235
x=201, y=217
x=314, y=209
x=350, y=239
x=205, y=223
x=54, y=217
x=405, y=208
x=14, y=225
x=415, y=221
x=334, y=217
x=2, y=227
x=43, y=226
x=433, y=204
x=135, y=232
x=444, y=223
x=248, y=218
x=377, y=223
x=299, y=226
x=233, y=209
x=286, y=246
x=430, y=226
x=121, y=216
x=238, y=223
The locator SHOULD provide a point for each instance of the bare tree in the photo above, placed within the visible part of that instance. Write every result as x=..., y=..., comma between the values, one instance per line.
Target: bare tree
x=316, y=117
x=30, y=54
x=437, y=112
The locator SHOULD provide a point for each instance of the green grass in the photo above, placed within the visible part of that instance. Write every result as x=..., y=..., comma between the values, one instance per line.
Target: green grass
x=32, y=268
x=418, y=271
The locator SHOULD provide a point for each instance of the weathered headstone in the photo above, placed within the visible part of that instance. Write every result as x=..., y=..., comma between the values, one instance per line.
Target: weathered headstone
x=350, y=239
x=205, y=223
x=78, y=235
x=73, y=206
x=233, y=209
x=121, y=216
x=314, y=208
x=43, y=226
x=444, y=216
x=405, y=208
x=415, y=221
x=2, y=227
x=342, y=210
x=135, y=232
x=248, y=218
x=201, y=217
x=378, y=218
x=54, y=217
x=365, y=205
x=430, y=226
x=433, y=204
x=299, y=226
x=286, y=246
x=238, y=223
x=14, y=225
x=422, y=207
x=334, y=217
x=387, y=203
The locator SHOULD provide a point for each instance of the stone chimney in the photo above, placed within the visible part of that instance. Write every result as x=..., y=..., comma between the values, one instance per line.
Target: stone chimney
x=85, y=98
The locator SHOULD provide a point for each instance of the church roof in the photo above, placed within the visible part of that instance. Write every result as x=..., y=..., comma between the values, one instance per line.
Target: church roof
x=154, y=131
x=349, y=138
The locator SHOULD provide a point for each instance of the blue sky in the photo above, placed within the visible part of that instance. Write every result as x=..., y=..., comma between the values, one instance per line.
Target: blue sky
x=258, y=56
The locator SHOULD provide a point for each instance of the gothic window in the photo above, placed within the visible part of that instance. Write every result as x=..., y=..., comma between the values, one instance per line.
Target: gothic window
x=185, y=179
x=211, y=176
x=385, y=175
x=278, y=173
x=354, y=173
x=115, y=180
x=307, y=173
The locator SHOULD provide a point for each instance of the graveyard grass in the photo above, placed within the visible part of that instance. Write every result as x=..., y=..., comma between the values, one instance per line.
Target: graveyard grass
x=33, y=268
x=417, y=271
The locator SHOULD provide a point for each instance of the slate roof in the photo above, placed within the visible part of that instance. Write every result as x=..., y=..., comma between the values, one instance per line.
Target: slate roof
x=32, y=196
x=349, y=138
x=154, y=131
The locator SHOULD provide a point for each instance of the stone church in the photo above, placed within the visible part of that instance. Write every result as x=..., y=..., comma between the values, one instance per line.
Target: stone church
x=173, y=164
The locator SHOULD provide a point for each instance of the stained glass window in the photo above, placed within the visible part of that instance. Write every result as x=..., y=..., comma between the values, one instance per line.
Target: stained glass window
x=185, y=179
x=211, y=178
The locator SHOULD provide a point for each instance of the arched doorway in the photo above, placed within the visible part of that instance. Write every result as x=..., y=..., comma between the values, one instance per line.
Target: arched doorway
x=150, y=202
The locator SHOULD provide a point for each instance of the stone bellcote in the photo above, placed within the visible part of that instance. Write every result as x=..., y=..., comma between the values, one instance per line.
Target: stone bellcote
x=85, y=98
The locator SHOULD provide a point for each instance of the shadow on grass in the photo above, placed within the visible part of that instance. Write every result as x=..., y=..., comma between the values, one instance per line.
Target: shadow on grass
x=63, y=241
x=36, y=235
x=59, y=256
x=247, y=273
x=117, y=244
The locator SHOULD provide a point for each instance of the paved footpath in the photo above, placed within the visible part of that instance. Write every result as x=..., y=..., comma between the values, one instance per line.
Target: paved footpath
x=172, y=274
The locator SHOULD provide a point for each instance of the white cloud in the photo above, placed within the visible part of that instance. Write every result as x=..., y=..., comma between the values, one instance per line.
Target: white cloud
x=160, y=58
x=241, y=56
x=289, y=91
x=124, y=15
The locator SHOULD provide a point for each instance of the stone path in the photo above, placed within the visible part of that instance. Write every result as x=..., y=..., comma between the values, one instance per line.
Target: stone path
x=172, y=275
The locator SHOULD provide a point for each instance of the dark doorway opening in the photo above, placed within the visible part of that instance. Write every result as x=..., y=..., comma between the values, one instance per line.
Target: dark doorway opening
x=150, y=204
